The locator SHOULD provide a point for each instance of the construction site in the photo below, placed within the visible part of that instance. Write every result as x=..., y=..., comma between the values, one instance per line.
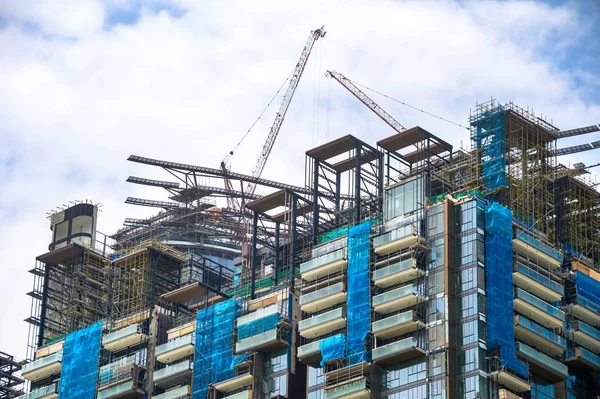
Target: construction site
x=399, y=268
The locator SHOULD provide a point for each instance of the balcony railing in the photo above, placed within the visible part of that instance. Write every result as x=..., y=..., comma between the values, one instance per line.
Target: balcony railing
x=540, y=246
x=585, y=356
x=328, y=296
x=127, y=389
x=183, y=392
x=43, y=367
x=542, y=360
x=396, y=240
x=399, y=350
x=396, y=273
x=240, y=395
x=347, y=390
x=396, y=325
x=124, y=337
x=309, y=349
x=544, y=332
x=321, y=261
x=329, y=321
x=271, y=338
x=176, y=349
x=47, y=392
x=258, y=314
x=173, y=374
x=548, y=288
x=538, y=310
x=396, y=299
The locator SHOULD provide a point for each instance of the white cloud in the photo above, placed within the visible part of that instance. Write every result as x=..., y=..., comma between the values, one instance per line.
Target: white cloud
x=186, y=89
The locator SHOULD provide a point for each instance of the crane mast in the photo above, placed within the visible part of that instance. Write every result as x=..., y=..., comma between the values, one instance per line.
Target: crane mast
x=372, y=105
x=287, y=99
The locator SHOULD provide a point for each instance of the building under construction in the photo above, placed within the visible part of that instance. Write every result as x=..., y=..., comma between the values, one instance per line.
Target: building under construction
x=401, y=268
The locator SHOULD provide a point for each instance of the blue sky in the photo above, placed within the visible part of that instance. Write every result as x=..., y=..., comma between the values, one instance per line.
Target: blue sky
x=86, y=83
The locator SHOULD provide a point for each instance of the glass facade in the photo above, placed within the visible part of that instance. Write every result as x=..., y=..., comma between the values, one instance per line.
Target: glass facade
x=404, y=198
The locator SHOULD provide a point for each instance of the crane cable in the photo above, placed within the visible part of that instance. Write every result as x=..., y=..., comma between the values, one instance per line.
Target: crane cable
x=230, y=154
x=408, y=105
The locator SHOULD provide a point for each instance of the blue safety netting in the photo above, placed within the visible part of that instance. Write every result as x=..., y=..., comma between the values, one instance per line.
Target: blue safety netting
x=332, y=348
x=489, y=135
x=258, y=326
x=498, y=285
x=213, y=351
x=358, y=300
x=587, y=288
x=81, y=353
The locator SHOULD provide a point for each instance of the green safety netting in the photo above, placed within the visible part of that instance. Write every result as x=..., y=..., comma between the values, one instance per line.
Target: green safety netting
x=81, y=353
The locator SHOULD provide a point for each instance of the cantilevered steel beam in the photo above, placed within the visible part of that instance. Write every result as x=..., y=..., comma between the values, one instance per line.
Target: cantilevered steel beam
x=152, y=203
x=578, y=131
x=151, y=182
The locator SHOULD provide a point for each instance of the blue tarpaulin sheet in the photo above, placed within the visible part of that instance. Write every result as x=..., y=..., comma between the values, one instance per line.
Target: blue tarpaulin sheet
x=213, y=351
x=332, y=348
x=587, y=287
x=499, y=288
x=81, y=353
x=358, y=300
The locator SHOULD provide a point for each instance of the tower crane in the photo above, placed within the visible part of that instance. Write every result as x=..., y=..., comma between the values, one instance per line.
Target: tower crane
x=372, y=105
x=279, y=117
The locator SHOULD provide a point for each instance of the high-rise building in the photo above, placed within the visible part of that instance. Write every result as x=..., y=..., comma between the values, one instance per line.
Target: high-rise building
x=400, y=269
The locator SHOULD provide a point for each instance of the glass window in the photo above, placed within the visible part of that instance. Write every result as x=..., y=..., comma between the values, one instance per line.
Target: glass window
x=437, y=389
x=540, y=388
x=275, y=386
x=276, y=361
x=437, y=364
x=436, y=309
x=404, y=373
x=472, y=388
x=419, y=392
x=403, y=199
x=436, y=336
x=315, y=376
x=435, y=283
x=318, y=394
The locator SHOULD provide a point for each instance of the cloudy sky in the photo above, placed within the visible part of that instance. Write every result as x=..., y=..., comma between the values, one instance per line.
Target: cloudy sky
x=86, y=83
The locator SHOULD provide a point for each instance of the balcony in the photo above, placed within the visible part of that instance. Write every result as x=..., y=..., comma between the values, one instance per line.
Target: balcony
x=240, y=395
x=235, y=383
x=583, y=357
x=323, y=323
x=538, y=310
x=504, y=394
x=543, y=339
x=174, y=374
x=355, y=390
x=128, y=389
x=323, y=298
x=510, y=380
x=397, y=351
x=397, y=240
x=324, y=265
x=176, y=349
x=182, y=330
x=584, y=335
x=540, y=253
x=124, y=338
x=267, y=341
x=47, y=392
x=259, y=314
x=542, y=364
x=397, y=273
x=537, y=284
x=397, y=299
x=183, y=392
x=396, y=325
x=310, y=353
x=586, y=310
x=348, y=382
x=42, y=368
